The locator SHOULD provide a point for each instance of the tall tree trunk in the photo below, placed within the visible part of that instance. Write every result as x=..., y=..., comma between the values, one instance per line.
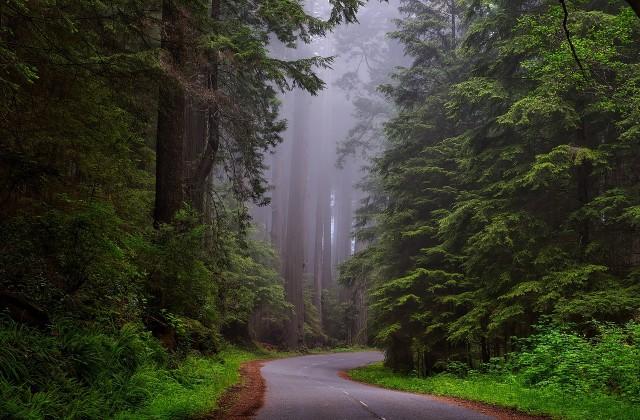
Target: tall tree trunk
x=198, y=182
x=280, y=177
x=327, y=243
x=322, y=275
x=294, y=262
x=317, y=255
x=277, y=202
x=343, y=214
x=583, y=178
x=171, y=121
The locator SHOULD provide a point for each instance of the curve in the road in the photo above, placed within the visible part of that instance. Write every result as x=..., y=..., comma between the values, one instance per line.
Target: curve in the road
x=310, y=388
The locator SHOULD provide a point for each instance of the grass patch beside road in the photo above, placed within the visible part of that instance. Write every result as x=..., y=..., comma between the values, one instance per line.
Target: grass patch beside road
x=505, y=390
x=193, y=389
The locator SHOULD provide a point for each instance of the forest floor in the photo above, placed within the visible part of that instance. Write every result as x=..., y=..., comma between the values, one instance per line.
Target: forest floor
x=502, y=396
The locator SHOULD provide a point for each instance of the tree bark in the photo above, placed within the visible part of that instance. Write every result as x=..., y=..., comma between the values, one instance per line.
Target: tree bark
x=171, y=120
x=317, y=255
x=322, y=273
x=327, y=244
x=198, y=181
x=294, y=262
x=343, y=220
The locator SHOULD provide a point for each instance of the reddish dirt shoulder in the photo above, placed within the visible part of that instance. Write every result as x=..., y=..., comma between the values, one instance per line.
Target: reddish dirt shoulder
x=500, y=413
x=242, y=401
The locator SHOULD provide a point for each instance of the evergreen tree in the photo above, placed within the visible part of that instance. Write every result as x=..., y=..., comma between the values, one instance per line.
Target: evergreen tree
x=505, y=175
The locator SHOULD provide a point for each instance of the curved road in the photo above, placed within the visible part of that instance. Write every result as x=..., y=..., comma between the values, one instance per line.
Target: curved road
x=309, y=388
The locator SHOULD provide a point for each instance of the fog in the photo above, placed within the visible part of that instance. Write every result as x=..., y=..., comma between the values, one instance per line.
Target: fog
x=314, y=174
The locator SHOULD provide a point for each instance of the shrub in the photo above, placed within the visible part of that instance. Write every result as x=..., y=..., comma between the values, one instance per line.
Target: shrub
x=608, y=362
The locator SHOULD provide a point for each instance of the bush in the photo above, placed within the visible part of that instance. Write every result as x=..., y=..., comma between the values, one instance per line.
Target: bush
x=608, y=362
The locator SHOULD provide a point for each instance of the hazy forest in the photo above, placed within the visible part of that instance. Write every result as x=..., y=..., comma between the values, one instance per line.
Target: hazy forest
x=190, y=185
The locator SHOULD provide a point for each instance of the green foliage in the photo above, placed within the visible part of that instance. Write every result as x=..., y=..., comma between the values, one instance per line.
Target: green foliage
x=84, y=277
x=78, y=257
x=507, y=181
x=557, y=372
x=180, y=277
x=76, y=373
x=506, y=390
x=191, y=390
x=251, y=280
x=94, y=373
x=314, y=333
x=607, y=363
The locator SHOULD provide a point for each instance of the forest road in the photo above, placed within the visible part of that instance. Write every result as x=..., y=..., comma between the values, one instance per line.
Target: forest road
x=310, y=388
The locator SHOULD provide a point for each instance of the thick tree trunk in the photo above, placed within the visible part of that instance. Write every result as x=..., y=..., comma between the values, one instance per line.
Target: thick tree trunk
x=198, y=180
x=277, y=203
x=317, y=257
x=327, y=244
x=344, y=214
x=294, y=262
x=171, y=120
x=322, y=265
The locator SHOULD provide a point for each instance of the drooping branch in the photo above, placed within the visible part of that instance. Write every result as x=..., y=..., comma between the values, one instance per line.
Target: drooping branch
x=568, y=35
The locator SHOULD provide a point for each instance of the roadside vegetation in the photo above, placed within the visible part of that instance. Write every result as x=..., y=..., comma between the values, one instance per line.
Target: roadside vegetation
x=123, y=374
x=557, y=372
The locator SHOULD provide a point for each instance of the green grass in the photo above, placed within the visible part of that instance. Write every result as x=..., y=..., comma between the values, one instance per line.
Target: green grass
x=506, y=390
x=191, y=390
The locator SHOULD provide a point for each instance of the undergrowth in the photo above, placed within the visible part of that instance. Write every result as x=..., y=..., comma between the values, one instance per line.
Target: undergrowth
x=557, y=372
x=73, y=373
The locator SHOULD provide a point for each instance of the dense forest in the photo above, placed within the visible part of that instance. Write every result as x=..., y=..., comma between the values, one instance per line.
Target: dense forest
x=503, y=200
x=507, y=188
x=134, y=134
x=456, y=182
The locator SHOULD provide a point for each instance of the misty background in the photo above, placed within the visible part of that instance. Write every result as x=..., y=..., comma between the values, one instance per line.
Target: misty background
x=315, y=175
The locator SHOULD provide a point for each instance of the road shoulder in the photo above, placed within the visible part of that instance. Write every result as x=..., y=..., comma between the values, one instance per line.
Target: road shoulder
x=243, y=400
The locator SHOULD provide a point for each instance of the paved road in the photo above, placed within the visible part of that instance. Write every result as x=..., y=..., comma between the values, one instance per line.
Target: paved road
x=309, y=388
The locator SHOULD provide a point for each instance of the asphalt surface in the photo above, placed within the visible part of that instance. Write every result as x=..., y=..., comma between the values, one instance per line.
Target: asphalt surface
x=309, y=388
